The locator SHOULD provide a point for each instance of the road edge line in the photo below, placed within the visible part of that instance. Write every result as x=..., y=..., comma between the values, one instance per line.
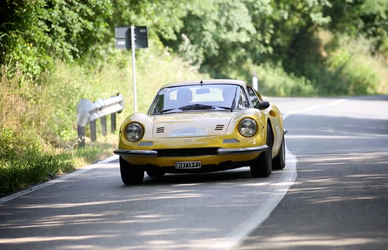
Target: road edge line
x=57, y=180
x=235, y=237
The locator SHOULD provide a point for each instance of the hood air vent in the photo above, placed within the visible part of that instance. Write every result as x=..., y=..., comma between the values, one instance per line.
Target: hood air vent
x=160, y=130
x=219, y=127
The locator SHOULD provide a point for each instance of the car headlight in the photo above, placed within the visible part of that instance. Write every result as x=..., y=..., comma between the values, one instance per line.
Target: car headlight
x=247, y=127
x=134, y=132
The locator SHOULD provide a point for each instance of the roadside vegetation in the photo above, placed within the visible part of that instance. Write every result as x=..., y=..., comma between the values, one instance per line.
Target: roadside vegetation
x=55, y=52
x=38, y=139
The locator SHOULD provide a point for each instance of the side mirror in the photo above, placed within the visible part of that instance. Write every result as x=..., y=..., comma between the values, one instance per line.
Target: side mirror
x=263, y=105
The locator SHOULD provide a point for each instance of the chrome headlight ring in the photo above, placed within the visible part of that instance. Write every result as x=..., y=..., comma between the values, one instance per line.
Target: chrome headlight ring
x=134, y=132
x=247, y=127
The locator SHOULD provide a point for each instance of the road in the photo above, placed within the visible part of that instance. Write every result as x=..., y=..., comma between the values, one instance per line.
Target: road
x=331, y=195
x=340, y=198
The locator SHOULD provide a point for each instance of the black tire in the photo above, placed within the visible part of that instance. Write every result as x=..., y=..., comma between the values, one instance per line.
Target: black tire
x=155, y=173
x=130, y=175
x=279, y=162
x=262, y=165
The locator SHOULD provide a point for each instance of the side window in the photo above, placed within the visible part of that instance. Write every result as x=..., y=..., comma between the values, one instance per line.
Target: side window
x=254, y=99
x=242, y=101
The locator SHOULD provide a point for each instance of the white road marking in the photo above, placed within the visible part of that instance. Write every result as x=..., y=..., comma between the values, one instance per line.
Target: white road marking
x=336, y=136
x=335, y=103
x=235, y=237
x=313, y=107
x=58, y=180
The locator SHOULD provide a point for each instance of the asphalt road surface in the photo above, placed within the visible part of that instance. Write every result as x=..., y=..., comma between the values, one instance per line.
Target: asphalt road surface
x=333, y=194
x=340, y=198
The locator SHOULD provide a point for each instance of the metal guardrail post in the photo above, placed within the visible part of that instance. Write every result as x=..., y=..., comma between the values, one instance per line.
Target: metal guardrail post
x=93, y=130
x=103, y=126
x=81, y=136
x=113, y=122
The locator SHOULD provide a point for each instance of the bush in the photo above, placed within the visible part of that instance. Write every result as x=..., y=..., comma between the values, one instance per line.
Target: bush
x=25, y=157
x=274, y=81
x=356, y=71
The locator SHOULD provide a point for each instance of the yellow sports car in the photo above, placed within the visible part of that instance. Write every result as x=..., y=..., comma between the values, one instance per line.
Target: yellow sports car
x=202, y=126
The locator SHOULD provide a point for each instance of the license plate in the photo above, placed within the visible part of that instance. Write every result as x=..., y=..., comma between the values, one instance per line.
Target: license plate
x=187, y=164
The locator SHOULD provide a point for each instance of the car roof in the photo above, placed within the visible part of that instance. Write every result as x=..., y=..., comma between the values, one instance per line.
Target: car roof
x=205, y=82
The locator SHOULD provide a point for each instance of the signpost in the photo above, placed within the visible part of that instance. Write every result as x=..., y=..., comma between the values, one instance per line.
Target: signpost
x=132, y=37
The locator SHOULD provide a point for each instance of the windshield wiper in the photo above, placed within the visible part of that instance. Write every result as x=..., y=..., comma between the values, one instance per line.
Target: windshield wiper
x=203, y=107
x=169, y=111
x=223, y=107
x=196, y=107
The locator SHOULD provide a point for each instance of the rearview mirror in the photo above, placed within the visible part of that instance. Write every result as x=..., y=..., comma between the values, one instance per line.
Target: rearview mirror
x=263, y=105
x=202, y=91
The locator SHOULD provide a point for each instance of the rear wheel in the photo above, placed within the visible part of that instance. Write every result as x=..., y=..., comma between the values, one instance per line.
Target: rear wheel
x=155, y=173
x=130, y=175
x=279, y=162
x=262, y=165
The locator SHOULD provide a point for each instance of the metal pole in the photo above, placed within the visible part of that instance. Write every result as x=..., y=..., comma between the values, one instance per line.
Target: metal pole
x=133, y=68
x=255, y=82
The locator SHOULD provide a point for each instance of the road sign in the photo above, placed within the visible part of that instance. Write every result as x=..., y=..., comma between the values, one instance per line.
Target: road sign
x=123, y=37
x=129, y=37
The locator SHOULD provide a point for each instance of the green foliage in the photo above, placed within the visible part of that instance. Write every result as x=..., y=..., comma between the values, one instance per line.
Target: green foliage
x=33, y=31
x=24, y=162
x=368, y=18
x=221, y=34
x=163, y=17
x=24, y=155
x=274, y=81
x=215, y=35
x=356, y=71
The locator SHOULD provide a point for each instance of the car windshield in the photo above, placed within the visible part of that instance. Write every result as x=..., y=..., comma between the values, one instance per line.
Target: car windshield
x=215, y=97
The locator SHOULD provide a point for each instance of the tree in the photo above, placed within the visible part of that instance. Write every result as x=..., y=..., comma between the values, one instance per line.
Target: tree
x=368, y=18
x=33, y=32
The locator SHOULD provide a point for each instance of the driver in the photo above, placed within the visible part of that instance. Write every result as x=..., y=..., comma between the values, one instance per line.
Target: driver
x=184, y=96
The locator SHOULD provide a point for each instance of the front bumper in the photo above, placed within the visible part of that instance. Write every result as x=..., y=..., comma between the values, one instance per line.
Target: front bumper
x=215, y=156
x=220, y=151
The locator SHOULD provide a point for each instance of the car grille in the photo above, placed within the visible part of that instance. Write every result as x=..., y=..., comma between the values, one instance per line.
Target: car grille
x=186, y=152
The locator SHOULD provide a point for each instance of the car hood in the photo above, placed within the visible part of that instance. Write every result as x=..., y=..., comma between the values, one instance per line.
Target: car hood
x=191, y=124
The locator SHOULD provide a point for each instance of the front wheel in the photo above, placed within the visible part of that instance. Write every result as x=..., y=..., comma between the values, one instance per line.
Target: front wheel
x=262, y=165
x=279, y=162
x=130, y=175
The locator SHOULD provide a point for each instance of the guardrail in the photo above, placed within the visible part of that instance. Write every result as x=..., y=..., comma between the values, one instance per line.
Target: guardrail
x=88, y=112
